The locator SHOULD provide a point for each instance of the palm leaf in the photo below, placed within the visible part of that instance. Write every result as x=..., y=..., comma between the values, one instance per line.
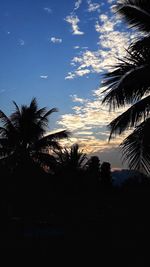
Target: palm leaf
x=128, y=87
x=141, y=46
x=58, y=135
x=45, y=159
x=51, y=140
x=33, y=105
x=136, y=13
x=3, y=131
x=44, y=119
x=5, y=120
x=130, y=118
x=136, y=148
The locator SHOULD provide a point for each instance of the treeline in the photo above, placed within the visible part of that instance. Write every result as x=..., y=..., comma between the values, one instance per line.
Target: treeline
x=58, y=190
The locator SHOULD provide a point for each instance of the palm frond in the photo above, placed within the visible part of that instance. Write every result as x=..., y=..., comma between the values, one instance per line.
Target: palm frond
x=15, y=116
x=3, y=132
x=33, y=105
x=45, y=159
x=44, y=119
x=131, y=117
x=71, y=158
x=5, y=120
x=126, y=87
x=51, y=140
x=58, y=135
x=136, y=148
x=141, y=46
x=40, y=112
x=136, y=13
x=17, y=107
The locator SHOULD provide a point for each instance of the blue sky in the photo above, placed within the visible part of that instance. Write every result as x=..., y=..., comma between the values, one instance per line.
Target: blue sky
x=57, y=50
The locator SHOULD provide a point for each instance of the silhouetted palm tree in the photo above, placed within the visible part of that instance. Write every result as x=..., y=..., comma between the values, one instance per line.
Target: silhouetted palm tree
x=129, y=84
x=24, y=138
x=93, y=166
x=71, y=158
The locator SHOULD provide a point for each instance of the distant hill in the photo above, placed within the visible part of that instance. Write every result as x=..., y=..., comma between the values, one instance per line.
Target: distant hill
x=119, y=176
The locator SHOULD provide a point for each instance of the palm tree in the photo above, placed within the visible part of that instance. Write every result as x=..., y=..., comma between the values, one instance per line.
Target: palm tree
x=70, y=159
x=24, y=138
x=129, y=84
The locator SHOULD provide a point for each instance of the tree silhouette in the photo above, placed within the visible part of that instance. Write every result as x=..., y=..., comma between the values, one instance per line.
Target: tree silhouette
x=128, y=84
x=106, y=174
x=70, y=158
x=24, y=138
x=93, y=167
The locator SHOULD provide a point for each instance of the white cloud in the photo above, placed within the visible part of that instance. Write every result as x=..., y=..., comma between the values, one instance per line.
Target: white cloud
x=92, y=7
x=77, y=4
x=76, y=47
x=44, y=76
x=56, y=40
x=21, y=42
x=111, y=45
x=75, y=98
x=70, y=76
x=47, y=10
x=110, y=1
x=74, y=20
x=89, y=118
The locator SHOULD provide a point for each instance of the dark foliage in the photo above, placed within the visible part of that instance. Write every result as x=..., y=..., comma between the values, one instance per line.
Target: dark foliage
x=23, y=138
x=129, y=84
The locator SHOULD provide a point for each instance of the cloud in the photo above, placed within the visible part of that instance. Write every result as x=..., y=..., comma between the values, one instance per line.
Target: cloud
x=76, y=47
x=74, y=20
x=88, y=123
x=47, y=10
x=44, y=77
x=75, y=98
x=92, y=7
x=89, y=119
x=77, y=4
x=112, y=41
x=21, y=42
x=56, y=40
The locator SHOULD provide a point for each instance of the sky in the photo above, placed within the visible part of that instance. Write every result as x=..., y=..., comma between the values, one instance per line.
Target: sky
x=57, y=51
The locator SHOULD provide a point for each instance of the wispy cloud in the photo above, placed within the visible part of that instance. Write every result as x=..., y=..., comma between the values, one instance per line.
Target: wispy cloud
x=47, y=10
x=77, y=4
x=74, y=20
x=44, y=77
x=76, y=47
x=75, y=99
x=56, y=40
x=21, y=42
x=92, y=7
